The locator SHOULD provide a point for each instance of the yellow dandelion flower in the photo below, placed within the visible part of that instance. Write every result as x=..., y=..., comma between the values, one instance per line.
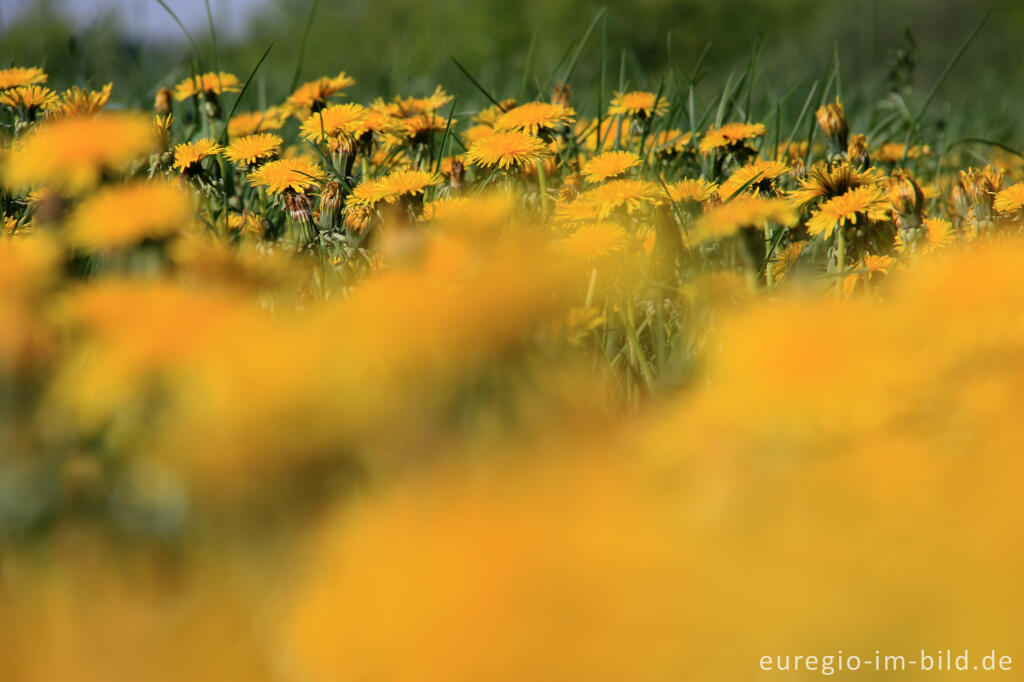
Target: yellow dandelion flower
x=248, y=150
x=671, y=141
x=72, y=154
x=609, y=165
x=742, y=212
x=188, y=155
x=407, y=183
x=440, y=209
x=825, y=181
x=316, y=92
x=893, y=152
x=593, y=241
x=579, y=211
x=730, y=136
x=247, y=223
x=342, y=123
x=77, y=102
x=507, y=149
x=491, y=114
x=207, y=84
x=628, y=194
x=296, y=174
x=28, y=99
x=868, y=201
x=420, y=126
x=638, y=104
x=754, y=176
x=411, y=106
x=476, y=133
x=1010, y=201
x=121, y=216
x=20, y=76
x=692, y=190
x=940, y=232
x=534, y=117
x=369, y=192
x=252, y=122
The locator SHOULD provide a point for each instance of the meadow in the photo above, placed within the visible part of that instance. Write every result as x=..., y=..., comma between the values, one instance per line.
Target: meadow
x=594, y=381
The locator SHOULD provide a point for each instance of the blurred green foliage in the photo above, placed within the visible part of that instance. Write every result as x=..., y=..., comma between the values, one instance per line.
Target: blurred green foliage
x=406, y=46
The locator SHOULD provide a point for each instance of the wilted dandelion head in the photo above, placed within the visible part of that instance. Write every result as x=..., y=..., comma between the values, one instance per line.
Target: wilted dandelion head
x=742, y=212
x=121, y=216
x=72, y=154
x=253, y=149
x=638, y=104
x=609, y=165
x=534, y=117
x=507, y=149
x=207, y=84
x=296, y=174
x=188, y=155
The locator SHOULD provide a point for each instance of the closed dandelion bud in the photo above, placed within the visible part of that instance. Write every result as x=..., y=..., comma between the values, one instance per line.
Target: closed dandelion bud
x=162, y=102
x=832, y=121
x=300, y=215
x=980, y=188
x=570, y=188
x=561, y=94
x=330, y=206
x=457, y=177
x=906, y=196
x=857, y=151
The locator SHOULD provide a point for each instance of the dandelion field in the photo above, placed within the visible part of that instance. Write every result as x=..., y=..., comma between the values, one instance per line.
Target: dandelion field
x=636, y=385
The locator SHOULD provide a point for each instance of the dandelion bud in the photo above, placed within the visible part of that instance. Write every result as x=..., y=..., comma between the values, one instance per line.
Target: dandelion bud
x=561, y=94
x=857, y=151
x=162, y=102
x=832, y=121
x=905, y=194
x=300, y=215
x=981, y=185
x=457, y=176
x=330, y=206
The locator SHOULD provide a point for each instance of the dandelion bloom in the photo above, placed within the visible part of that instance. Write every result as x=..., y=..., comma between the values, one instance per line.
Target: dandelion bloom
x=72, y=154
x=731, y=135
x=248, y=150
x=315, y=92
x=120, y=216
x=407, y=183
x=593, y=241
x=20, y=76
x=369, y=192
x=742, y=212
x=1010, y=201
x=533, y=117
x=507, y=149
x=638, y=104
x=690, y=190
x=188, y=155
x=207, y=84
x=609, y=165
x=440, y=209
x=632, y=195
x=252, y=122
x=28, y=99
x=671, y=141
x=490, y=115
x=826, y=181
x=340, y=122
x=420, y=126
x=297, y=174
x=893, y=152
x=868, y=202
x=78, y=102
x=411, y=106
x=754, y=177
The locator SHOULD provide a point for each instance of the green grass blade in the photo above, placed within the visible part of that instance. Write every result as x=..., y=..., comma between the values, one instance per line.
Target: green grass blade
x=582, y=43
x=528, y=67
x=234, y=107
x=477, y=84
x=444, y=140
x=303, y=46
x=184, y=30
